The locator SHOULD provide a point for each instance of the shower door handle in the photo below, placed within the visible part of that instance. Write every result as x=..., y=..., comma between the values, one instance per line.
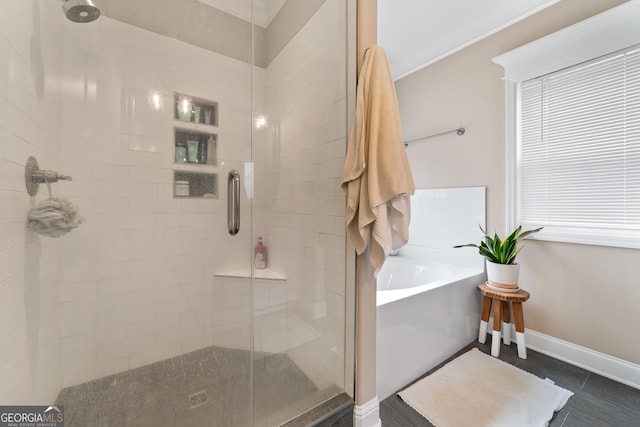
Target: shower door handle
x=233, y=202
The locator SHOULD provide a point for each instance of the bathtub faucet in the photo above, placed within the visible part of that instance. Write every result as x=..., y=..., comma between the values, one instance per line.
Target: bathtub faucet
x=394, y=252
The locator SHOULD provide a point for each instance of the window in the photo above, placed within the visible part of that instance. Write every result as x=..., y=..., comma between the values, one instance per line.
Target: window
x=573, y=133
x=579, y=150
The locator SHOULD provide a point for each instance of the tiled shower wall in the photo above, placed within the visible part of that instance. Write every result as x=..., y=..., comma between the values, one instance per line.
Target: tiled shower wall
x=30, y=64
x=133, y=284
x=136, y=278
x=300, y=206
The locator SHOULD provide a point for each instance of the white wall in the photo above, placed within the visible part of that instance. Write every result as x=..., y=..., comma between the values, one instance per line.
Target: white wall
x=137, y=277
x=442, y=218
x=30, y=64
x=586, y=295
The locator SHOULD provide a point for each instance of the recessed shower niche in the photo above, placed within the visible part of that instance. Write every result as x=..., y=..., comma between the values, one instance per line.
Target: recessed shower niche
x=195, y=160
x=192, y=109
x=195, y=185
x=195, y=147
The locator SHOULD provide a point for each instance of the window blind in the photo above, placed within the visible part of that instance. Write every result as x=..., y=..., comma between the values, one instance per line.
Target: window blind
x=579, y=147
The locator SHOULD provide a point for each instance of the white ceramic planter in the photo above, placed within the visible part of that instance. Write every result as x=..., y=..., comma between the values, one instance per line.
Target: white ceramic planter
x=503, y=277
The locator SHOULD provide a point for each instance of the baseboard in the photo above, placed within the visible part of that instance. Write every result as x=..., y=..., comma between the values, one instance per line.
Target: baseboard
x=603, y=364
x=368, y=414
x=600, y=363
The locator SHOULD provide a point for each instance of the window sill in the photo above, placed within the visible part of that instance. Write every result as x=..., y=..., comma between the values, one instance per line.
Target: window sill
x=588, y=236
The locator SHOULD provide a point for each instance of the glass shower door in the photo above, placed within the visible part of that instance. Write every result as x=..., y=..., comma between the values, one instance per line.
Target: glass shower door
x=299, y=144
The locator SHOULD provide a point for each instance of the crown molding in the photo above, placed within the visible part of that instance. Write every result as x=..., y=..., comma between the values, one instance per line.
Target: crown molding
x=467, y=34
x=607, y=32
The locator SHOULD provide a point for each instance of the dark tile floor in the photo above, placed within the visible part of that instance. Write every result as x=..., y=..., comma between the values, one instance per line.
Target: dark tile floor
x=159, y=394
x=597, y=401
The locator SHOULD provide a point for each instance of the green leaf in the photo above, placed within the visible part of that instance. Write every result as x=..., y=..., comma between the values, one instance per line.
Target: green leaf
x=512, y=259
x=501, y=251
x=510, y=251
x=526, y=233
x=514, y=234
x=488, y=254
x=496, y=248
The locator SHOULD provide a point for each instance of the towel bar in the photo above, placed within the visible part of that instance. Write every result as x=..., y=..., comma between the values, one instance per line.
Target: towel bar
x=459, y=131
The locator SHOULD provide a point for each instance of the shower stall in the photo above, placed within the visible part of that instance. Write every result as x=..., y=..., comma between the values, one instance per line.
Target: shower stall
x=189, y=129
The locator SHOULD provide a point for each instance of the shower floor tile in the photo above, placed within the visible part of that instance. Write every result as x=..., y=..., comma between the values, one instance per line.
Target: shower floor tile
x=159, y=394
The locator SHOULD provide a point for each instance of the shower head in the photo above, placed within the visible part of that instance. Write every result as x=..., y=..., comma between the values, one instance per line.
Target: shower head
x=81, y=10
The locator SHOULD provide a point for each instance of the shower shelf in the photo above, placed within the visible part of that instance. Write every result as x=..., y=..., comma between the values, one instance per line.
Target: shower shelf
x=192, y=109
x=258, y=273
x=205, y=147
x=200, y=185
x=195, y=168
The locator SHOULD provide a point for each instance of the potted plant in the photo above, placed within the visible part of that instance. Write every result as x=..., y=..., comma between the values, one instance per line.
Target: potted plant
x=502, y=270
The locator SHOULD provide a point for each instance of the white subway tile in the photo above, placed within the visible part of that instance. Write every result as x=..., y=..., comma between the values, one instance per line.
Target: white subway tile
x=80, y=342
x=82, y=374
x=11, y=262
x=153, y=265
x=196, y=343
x=151, y=175
x=79, y=308
x=154, y=354
x=88, y=273
x=140, y=220
x=110, y=335
x=76, y=359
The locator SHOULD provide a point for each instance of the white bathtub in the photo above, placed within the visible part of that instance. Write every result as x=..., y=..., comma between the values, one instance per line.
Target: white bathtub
x=427, y=310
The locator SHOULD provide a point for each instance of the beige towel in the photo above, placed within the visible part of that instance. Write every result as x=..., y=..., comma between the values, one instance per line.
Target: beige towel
x=377, y=176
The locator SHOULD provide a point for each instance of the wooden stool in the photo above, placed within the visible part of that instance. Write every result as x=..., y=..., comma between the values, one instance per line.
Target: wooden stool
x=501, y=302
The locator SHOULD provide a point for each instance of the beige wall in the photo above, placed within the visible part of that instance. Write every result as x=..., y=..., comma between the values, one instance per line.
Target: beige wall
x=586, y=295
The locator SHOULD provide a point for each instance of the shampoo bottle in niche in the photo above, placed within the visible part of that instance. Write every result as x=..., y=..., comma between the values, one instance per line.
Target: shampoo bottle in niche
x=260, y=255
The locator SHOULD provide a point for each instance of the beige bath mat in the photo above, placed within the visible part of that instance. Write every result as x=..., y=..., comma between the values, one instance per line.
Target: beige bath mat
x=478, y=390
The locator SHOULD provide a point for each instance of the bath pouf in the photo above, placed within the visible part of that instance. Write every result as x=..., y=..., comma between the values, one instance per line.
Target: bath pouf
x=54, y=217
